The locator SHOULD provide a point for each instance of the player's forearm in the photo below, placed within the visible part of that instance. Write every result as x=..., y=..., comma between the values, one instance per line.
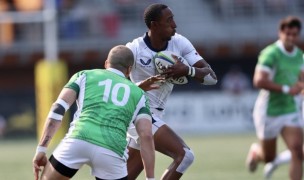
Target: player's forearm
x=201, y=73
x=148, y=154
x=53, y=121
x=204, y=75
x=202, y=64
x=268, y=85
x=150, y=83
x=50, y=128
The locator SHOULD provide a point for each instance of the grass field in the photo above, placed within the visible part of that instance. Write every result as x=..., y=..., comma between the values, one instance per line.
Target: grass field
x=217, y=158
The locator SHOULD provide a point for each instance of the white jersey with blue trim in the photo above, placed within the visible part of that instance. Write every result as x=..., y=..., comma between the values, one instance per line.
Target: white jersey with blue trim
x=144, y=67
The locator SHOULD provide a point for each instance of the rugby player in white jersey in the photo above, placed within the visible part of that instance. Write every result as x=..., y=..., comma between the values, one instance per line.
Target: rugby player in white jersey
x=162, y=36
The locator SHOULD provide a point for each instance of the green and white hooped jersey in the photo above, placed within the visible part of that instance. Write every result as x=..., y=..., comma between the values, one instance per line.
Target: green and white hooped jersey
x=284, y=69
x=107, y=104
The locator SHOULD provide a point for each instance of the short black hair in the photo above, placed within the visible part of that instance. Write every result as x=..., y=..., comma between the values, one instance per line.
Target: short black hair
x=290, y=22
x=153, y=12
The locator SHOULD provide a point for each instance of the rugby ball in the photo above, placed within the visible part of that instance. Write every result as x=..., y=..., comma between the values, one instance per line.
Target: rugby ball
x=164, y=59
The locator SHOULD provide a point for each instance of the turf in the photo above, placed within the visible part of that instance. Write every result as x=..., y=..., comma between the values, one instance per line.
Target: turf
x=217, y=158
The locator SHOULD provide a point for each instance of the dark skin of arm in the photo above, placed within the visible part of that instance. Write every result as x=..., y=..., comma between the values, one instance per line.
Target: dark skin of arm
x=179, y=69
x=202, y=68
x=261, y=80
x=153, y=82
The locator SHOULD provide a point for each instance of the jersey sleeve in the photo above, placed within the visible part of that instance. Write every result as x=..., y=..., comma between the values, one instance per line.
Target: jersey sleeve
x=144, y=110
x=75, y=81
x=187, y=50
x=266, y=60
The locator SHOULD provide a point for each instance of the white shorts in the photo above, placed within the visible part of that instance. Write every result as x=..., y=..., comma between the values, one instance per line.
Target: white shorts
x=132, y=136
x=269, y=127
x=104, y=163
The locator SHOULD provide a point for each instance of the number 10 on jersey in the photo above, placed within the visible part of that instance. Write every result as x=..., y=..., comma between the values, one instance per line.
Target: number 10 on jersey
x=114, y=90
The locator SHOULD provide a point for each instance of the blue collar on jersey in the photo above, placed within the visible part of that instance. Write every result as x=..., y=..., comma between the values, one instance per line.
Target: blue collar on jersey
x=116, y=72
x=148, y=43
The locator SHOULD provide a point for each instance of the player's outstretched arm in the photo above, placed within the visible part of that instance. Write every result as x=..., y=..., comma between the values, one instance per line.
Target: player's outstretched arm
x=66, y=98
x=147, y=150
x=262, y=80
x=150, y=83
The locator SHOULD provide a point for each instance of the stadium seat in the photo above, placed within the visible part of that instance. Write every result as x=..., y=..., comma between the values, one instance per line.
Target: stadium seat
x=249, y=49
x=10, y=60
x=223, y=50
x=35, y=57
x=92, y=56
x=67, y=56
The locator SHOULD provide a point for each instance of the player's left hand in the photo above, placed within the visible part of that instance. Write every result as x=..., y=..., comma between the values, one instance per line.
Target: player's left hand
x=153, y=82
x=177, y=70
x=39, y=160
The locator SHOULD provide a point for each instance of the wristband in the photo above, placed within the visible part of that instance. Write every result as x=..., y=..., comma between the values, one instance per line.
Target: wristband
x=41, y=149
x=193, y=71
x=285, y=89
x=190, y=71
x=150, y=178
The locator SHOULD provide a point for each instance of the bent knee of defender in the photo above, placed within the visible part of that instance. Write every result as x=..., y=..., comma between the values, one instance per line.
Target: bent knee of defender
x=185, y=161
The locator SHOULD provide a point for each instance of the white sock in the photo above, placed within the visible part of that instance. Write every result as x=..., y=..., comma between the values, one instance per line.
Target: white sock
x=283, y=158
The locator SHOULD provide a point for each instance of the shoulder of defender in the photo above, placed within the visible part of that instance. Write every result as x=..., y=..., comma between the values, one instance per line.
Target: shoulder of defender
x=270, y=49
x=93, y=71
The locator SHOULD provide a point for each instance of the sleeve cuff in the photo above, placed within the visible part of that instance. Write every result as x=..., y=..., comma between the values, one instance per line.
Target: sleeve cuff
x=263, y=68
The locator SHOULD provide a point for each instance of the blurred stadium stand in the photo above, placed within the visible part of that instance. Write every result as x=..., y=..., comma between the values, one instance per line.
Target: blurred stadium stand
x=219, y=29
x=225, y=33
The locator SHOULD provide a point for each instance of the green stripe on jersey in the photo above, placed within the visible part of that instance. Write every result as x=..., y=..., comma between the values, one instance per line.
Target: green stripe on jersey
x=74, y=82
x=144, y=110
x=166, y=57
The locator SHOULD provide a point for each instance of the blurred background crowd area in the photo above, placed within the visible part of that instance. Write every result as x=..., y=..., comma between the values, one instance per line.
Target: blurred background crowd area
x=229, y=34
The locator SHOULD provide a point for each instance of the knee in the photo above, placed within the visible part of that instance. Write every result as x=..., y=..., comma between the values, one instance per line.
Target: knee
x=297, y=151
x=184, y=160
x=186, y=155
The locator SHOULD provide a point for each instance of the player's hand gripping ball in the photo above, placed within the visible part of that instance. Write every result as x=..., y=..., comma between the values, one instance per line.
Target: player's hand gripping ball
x=164, y=59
